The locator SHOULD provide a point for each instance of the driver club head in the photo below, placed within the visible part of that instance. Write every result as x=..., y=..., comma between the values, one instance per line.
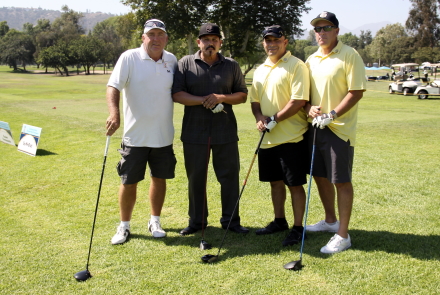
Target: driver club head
x=208, y=258
x=83, y=275
x=294, y=265
x=204, y=245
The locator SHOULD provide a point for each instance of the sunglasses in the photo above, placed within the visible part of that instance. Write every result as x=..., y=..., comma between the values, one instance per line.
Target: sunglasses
x=154, y=24
x=325, y=28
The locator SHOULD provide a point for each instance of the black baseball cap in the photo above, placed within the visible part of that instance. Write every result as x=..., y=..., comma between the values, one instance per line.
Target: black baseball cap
x=273, y=30
x=328, y=16
x=209, y=29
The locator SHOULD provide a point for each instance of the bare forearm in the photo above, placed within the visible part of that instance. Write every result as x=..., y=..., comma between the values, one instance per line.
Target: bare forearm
x=292, y=107
x=114, y=119
x=350, y=100
x=187, y=99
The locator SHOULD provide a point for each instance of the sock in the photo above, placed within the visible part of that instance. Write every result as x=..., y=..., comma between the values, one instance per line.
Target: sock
x=280, y=221
x=125, y=224
x=155, y=218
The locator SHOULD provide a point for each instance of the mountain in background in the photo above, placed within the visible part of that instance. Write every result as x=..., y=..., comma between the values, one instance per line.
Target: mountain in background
x=16, y=17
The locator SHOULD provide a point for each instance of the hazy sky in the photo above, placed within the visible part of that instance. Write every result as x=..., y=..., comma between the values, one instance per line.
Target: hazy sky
x=351, y=13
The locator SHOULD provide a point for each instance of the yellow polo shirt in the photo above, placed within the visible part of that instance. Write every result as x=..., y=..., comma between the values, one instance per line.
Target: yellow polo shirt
x=332, y=76
x=273, y=86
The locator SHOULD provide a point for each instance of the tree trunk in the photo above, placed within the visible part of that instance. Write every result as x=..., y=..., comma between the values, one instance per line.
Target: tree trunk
x=190, y=41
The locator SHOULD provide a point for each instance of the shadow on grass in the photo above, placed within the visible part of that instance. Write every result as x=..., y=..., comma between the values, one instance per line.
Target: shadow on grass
x=43, y=152
x=417, y=246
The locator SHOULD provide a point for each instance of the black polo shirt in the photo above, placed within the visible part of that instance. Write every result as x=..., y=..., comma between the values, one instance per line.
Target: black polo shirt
x=196, y=77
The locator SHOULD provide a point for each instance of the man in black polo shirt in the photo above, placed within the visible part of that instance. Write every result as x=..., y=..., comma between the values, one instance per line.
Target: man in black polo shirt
x=208, y=84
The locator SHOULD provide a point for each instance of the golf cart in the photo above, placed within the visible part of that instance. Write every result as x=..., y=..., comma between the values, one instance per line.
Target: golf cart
x=431, y=88
x=405, y=80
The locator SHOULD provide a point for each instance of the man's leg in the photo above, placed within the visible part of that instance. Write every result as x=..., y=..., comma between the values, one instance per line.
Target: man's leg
x=127, y=200
x=298, y=196
x=157, y=193
x=327, y=194
x=278, y=193
x=345, y=205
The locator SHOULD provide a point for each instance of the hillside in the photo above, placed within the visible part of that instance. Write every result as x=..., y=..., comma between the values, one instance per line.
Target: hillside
x=16, y=17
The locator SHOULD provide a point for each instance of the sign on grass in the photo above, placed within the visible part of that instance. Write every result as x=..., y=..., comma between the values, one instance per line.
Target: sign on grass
x=29, y=138
x=5, y=133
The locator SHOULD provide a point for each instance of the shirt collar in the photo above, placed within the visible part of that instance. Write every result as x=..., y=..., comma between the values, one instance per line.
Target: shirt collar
x=335, y=50
x=284, y=59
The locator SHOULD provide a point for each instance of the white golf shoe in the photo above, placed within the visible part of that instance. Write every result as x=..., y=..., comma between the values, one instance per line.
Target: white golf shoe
x=323, y=226
x=155, y=229
x=336, y=244
x=122, y=233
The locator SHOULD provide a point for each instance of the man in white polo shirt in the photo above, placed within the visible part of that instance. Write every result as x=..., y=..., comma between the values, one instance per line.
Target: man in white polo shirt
x=145, y=77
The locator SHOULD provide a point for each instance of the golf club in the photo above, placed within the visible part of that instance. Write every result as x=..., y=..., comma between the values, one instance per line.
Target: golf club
x=85, y=274
x=209, y=257
x=203, y=244
x=297, y=264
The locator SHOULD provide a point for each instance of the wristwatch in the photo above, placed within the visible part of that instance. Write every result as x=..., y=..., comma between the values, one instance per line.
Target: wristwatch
x=334, y=115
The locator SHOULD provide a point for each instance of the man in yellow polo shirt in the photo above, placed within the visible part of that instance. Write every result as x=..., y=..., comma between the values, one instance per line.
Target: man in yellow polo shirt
x=280, y=89
x=337, y=84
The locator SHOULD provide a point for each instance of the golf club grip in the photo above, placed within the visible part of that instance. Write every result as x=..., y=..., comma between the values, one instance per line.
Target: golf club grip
x=259, y=143
x=106, y=145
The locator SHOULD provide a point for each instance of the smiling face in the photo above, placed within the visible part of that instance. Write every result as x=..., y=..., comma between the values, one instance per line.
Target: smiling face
x=209, y=45
x=275, y=47
x=154, y=42
x=326, y=40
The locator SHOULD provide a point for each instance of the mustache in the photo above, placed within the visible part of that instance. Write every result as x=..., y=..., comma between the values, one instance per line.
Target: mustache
x=210, y=46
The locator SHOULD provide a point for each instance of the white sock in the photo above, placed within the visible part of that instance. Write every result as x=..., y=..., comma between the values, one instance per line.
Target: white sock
x=125, y=224
x=155, y=218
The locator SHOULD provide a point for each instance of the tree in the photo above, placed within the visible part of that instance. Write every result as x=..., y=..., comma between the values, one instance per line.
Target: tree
x=312, y=38
x=298, y=48
x=349, y=39
x=240, y=21
x=58, y=56
x=426, y=54
x=67, y=26
x=4, y=28
x=423, y=23
x=16, y=48
x=309, y=50
x=365, y=39
x=391, y=43
x=87, y=51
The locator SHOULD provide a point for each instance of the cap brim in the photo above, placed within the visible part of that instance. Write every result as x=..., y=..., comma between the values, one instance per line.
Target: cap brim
x=218, y=35
x=273, y=34
x=314, y=21
x=149, y=29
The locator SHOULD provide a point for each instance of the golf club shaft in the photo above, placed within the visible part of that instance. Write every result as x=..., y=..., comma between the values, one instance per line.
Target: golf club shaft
x=308, y=193
x=97, y=200
x=242, y=188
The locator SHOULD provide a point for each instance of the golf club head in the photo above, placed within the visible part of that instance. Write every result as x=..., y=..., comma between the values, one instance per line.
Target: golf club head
x=83, y=275
x=204, y=245
x=208, y=258
x=294, y=265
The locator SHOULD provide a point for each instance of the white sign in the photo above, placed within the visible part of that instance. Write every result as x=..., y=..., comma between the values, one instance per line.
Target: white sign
x=29, y=138
x=5, y=133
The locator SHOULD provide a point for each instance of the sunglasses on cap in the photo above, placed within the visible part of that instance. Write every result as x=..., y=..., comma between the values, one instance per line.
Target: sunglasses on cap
x=325, y=28
x=154, y=24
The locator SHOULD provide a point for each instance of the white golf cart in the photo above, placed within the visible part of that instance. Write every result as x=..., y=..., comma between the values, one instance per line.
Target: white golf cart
x=406, y=78
x=431, y=88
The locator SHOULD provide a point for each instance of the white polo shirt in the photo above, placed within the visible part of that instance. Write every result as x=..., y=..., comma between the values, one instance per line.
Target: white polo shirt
x=147, y=102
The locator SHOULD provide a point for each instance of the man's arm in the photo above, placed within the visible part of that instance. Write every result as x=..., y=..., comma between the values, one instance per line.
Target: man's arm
x=235, y=98
x=291, y=108
x=187, y=99
x=114, y=119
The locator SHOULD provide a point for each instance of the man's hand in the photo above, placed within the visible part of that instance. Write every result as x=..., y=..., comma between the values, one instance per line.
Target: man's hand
x=112, y=124
x=218, y=108
x=322, y=121
x=270, y=123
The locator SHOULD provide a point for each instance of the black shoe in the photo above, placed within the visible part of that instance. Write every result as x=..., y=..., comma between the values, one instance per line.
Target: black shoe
x=188, y=231
x=271, y=228
x=294, y=236
x=239, y=229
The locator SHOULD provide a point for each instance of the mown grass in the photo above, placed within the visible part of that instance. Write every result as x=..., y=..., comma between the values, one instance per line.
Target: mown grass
x=47, y=204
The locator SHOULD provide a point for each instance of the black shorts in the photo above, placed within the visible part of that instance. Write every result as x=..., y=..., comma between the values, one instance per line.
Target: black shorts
x=287, y=162
x=333, y=156
x=133, y=164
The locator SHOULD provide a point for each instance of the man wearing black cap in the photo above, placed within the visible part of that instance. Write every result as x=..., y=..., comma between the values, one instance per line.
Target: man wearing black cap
x=208, y=84
x=337, y=84
x=280, y=89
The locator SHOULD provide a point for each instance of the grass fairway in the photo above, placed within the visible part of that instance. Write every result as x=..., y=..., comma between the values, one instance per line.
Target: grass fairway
x=47, y=204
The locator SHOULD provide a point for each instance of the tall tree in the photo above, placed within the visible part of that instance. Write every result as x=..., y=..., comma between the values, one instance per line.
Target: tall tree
x=365, y=39
x=4, y=28
x=16, y=48
x=241, y=21
x=423, y=23
x=350, y=40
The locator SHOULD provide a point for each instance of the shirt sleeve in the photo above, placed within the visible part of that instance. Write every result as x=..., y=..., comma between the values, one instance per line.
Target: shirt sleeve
x=179, y=77
x=355, y=73
x=120, y=74
x=300, y=88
